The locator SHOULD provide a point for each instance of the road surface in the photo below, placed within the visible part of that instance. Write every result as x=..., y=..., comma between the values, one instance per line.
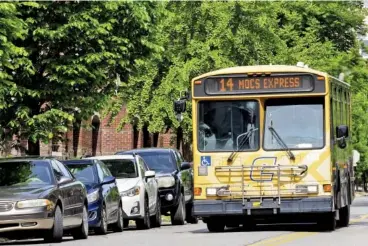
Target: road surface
x=192, y=235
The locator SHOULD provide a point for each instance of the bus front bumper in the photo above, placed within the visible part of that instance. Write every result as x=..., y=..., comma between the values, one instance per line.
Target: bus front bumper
x=206, y=208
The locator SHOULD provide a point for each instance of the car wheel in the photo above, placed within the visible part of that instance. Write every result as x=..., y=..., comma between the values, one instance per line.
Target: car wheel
x=144, y=223
x=119, y=225
x=189, y=213
x=56, y=233
x=157, y=219
x=102, y=229
x=82, y=231
x=178, y=214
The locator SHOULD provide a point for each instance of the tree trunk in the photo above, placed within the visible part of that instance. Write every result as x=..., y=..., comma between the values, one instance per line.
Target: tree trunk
x=33, y=148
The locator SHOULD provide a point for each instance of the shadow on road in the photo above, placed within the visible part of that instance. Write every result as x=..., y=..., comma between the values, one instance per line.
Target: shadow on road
x=278, y=228
x=29, y=242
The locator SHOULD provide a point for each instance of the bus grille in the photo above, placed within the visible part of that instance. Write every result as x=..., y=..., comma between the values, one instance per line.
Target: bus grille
x=259, y=182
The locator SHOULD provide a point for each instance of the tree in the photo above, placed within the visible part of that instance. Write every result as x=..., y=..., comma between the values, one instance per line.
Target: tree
x=77, y=51
x=198, y=37
x=12, y=58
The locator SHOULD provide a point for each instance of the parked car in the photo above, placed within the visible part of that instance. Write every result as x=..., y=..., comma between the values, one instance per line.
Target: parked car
x=40, y=196
x=105, y=208
x=138, y=189
x=175, y=182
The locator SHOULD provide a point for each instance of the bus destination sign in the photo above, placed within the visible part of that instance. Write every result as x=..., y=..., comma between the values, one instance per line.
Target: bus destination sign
x=259, y=84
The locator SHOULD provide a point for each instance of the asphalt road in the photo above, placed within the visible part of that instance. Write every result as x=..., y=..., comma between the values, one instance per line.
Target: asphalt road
x=301, y=235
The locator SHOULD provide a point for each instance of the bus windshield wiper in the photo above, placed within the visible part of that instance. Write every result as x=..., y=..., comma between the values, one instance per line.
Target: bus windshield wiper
x=242, y=143
x=281, y=142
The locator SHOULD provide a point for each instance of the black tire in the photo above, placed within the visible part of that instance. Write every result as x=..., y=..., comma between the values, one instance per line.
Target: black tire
x=119, y=225
x=215, y=225
x=157, y=219
x=178, y=214
x=327, y=222
x=56, y=233
x=102, y=229
x=81, y=232
x=145, y=223
x=344, y=214
x=189, y=214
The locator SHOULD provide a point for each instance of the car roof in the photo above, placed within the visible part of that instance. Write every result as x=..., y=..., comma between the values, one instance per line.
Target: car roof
x=112, y=157
x=145, y=150
x=77, y=162
x=26, y=159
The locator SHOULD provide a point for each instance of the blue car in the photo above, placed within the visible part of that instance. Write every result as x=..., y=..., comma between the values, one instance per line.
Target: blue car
x=105, y=208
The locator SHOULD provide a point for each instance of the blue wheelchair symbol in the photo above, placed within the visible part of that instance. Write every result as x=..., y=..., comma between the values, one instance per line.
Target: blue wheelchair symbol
x=206, y=161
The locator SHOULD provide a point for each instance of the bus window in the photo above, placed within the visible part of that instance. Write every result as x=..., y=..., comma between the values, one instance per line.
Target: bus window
x=298, y=121
x=228, y=125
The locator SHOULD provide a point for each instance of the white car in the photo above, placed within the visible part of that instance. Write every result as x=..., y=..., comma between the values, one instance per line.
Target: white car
x=138, y=188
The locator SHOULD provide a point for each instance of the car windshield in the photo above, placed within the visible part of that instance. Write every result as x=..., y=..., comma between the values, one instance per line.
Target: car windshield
x=298, y=122
x=228, y=125
x=25, y=173
x=122, y=168
x=84, y=172
x=159, y=161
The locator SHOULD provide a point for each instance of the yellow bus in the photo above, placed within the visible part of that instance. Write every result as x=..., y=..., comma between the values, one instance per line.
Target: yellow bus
x=270, y=142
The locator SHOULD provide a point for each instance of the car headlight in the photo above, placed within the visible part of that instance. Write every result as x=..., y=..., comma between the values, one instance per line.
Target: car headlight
x=131, y=192
x=165, y=182
x=35, y=203
x=92, y=197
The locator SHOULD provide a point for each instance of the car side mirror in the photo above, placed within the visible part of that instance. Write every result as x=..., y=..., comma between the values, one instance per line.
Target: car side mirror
x=185, y=166
x=108, y=180
x=149, y=174
x=342, y=131
x=64, y=180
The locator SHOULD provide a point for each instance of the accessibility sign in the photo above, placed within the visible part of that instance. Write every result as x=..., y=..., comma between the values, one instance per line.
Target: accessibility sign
x=206, y=161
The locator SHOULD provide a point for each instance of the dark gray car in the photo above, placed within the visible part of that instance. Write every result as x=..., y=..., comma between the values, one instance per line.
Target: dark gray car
x=42, y=197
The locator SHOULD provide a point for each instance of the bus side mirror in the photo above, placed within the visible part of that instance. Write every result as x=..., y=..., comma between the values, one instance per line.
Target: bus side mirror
x=342, y=131
x=180, y=106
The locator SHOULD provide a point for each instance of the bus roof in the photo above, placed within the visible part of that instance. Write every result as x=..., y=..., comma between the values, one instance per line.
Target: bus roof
x=261, y=69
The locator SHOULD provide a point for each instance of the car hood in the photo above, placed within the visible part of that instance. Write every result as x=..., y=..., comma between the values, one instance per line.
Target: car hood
x=90, y=187
x=16, y=193
x=126, y=184
x=159, y=174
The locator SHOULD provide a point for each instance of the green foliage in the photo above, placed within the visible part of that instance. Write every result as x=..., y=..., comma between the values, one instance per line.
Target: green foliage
x=76, y=50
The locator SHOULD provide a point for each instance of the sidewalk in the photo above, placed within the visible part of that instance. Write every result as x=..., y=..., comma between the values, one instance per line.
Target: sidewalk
x=360, y=193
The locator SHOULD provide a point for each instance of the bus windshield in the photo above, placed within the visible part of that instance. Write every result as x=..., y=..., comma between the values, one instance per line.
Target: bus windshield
x=297, y=121
x=228, y=125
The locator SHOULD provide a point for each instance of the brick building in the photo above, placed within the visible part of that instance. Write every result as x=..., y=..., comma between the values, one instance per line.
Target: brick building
x=104, y=139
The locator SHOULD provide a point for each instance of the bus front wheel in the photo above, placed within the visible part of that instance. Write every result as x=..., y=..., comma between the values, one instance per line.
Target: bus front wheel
x=215, y=225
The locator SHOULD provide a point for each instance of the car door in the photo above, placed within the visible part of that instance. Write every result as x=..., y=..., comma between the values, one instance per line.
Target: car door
x=76, y=195
x=185, y=176
x=112, y=194
x=148, y=183
x=153, y=184
x=66, y=194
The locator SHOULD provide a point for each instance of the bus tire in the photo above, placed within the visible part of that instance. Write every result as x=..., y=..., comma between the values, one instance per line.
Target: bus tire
x=215, y=225
x=327, y=222
x=344, y=214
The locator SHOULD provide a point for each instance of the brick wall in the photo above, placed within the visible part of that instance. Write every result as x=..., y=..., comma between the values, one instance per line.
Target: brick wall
x=107, y=140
